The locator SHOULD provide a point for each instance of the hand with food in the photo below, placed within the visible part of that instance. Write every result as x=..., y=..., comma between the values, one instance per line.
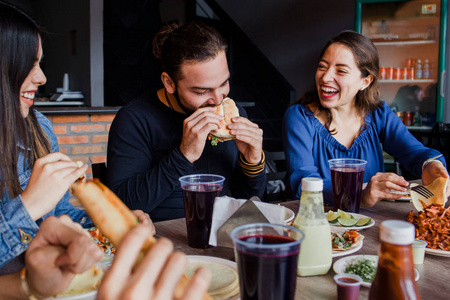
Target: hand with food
x=195, y=131
x=247, y=135
x=249, y=138
x=156, y=276
x=380, y=186
x=50, y=179
x=115, y=221
x=60, y=250
x=433, y=170
x=144, y=218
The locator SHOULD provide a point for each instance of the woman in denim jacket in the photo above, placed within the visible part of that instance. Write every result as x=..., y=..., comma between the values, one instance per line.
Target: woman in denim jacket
x=34, y=176
x=27, y=141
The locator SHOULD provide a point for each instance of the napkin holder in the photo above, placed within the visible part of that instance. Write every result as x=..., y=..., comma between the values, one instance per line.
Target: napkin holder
x=246, y=214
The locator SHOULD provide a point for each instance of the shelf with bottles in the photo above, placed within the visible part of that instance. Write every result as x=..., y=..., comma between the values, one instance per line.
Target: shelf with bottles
x=412, y=71
x=404, y=42
x=407, y=81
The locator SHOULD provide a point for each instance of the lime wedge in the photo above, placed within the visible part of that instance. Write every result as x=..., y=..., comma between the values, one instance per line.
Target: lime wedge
x=344, y=215
x=347, y=222
x=332, y=216
x=364, y=221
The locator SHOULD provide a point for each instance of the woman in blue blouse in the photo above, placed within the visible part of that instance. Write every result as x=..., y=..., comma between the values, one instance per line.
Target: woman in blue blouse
x=345, y=118
x=34, y=176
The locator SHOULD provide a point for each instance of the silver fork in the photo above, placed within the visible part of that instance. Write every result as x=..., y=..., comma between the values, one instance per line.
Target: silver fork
x=420, y=189
x=423, y=191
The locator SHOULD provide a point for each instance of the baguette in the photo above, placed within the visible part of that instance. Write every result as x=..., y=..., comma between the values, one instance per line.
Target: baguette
x=115, y=220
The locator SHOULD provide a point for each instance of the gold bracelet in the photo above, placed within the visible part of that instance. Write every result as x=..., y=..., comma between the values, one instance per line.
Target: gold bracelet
x=24, y=284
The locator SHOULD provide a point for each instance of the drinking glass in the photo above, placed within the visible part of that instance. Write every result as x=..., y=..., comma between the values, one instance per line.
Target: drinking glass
x=347, y=175
x=267, y=257
x=199, y=192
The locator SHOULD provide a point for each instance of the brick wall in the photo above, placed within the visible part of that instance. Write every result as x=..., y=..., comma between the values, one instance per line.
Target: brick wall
x=83, y=137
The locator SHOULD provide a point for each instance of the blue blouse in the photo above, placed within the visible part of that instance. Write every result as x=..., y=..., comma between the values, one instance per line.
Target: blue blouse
x=309, y=146
x=14, y=217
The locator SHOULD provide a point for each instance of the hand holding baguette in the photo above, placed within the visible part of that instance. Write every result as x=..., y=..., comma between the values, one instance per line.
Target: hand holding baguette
x=115, y=220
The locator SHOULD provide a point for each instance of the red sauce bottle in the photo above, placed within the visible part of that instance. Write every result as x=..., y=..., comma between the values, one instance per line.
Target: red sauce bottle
x=395, y=277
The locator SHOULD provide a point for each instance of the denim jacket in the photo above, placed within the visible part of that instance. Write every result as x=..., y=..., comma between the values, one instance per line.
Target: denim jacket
x=16, y=226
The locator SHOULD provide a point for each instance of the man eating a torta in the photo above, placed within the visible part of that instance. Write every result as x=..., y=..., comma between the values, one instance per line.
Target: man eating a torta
x=161, y=136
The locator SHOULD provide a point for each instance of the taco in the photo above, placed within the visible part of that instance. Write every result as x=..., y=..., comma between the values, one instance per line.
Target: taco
x=346, y=240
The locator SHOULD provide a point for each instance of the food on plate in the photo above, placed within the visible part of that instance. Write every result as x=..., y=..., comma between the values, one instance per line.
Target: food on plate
x=332, y=216
x=107, y=247
x=346, y=219
x=433, y=226
x=364, y=221
x=346, y=240
x=437, y=187
x=347, y=222
x=344, y=215
x=114, y=219
x=365, y=268
x=224, y=280
x=228, y=110
x=85, y=282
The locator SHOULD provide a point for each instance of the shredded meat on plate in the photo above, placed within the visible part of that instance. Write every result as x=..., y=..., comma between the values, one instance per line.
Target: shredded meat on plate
x=432, y=225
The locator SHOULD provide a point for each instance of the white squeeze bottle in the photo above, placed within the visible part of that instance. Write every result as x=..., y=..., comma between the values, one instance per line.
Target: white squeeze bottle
x=315, y=250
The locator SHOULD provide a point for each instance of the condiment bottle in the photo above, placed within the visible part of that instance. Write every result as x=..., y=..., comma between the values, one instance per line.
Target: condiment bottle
x=426, y=69
x=418, y=68
x=315, y=250
x=395, y=273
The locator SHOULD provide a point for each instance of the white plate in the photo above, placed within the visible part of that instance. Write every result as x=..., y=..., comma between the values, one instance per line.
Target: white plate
x=340, y=265
x=92, y=295
x=349, y=251
x=212, y=259
x=437, y=252
x=217, y=260
x=356, y=216
x=289, y=216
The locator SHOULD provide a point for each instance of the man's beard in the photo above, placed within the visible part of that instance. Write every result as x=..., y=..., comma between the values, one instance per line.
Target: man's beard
x=184, y=108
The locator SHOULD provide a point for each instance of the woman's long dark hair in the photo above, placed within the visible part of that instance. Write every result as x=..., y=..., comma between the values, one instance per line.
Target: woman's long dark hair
x=19, y=45
x=367, y=60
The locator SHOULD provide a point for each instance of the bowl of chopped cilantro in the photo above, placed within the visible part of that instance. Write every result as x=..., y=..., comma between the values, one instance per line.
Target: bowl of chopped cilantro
x=363, y=265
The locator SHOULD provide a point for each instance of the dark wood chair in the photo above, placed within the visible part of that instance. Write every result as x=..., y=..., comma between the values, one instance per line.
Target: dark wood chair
x=99, y=171
x=277, y=189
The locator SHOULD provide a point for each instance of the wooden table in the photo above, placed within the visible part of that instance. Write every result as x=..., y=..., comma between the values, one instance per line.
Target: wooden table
x=434, y=273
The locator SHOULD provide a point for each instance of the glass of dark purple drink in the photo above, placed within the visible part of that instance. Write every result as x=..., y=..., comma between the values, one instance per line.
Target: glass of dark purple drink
x=348, y=286
x=347, y=176
x=199, y=192
x=267, y=257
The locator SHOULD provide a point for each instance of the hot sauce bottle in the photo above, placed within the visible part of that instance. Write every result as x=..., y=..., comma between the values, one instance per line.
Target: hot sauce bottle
x=395, y=273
